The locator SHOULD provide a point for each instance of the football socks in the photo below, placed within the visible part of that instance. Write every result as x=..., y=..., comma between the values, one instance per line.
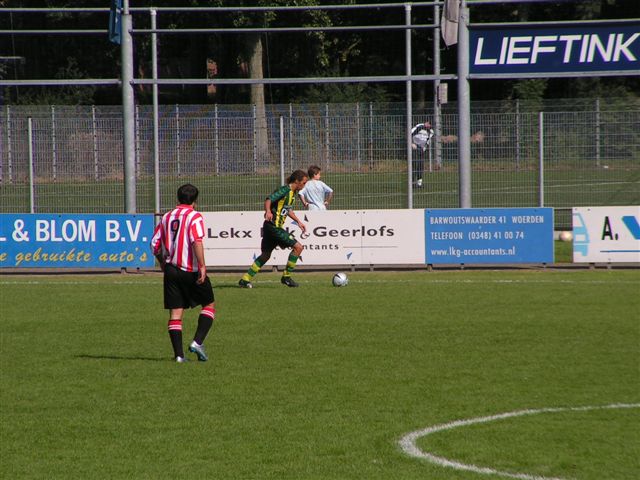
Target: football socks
x=205, y=320
x=253, y=269
x=291, y=264
x=175, y=334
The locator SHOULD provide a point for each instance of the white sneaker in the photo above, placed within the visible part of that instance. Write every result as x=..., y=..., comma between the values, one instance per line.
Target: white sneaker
x=180, y=360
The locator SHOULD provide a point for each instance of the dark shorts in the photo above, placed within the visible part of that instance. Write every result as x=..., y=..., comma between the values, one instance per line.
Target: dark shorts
x=273, y=237
x=182, y=291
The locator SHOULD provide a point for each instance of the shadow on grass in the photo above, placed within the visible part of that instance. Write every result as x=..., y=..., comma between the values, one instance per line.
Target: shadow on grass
x=235, y=286
x=118, y=357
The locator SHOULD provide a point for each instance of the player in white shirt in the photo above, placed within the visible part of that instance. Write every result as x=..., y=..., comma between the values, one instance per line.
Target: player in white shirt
x=421, y=136
x=316, y=194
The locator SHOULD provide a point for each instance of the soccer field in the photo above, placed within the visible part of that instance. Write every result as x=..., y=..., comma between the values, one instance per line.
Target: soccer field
x=362, y=382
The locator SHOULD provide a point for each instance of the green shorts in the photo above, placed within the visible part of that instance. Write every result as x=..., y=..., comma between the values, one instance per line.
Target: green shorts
x=273, y=237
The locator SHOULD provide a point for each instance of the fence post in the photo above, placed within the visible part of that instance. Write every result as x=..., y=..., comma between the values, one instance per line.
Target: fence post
x=517, y=134
x=290, y=134
x=326, y=134
x=9, y=155
x=358, y=135
x=254, y=110
x=94, y=127
x=137, y=141
x=370, y=135
x=178, y=138
x=281, y=150
x=598, y=132
x=1, y=157
x=541, y=159
x=54, y=153
x=31, y=182
x=437, y=111
x=216, y=139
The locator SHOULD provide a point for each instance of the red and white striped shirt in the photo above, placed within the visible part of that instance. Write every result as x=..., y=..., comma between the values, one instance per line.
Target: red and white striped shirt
x=175, y=235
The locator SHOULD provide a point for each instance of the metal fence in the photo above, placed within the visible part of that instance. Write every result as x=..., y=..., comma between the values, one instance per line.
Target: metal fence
x=587, y=153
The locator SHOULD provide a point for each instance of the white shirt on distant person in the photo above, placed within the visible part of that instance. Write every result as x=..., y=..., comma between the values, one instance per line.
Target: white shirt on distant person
x=315, y=192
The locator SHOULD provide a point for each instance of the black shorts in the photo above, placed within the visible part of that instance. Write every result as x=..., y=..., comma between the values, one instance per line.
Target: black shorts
x=273, y=237
x=182, y=291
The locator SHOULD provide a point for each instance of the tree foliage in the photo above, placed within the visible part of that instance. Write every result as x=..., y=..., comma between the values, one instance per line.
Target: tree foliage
x=275, y=54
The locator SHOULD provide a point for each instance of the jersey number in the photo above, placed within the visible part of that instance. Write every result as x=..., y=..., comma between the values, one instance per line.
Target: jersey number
x=174, y=227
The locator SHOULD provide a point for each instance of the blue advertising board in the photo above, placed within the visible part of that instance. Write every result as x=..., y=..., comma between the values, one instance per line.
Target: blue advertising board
x=565, y=48
x=78, y=241
x=489, y=235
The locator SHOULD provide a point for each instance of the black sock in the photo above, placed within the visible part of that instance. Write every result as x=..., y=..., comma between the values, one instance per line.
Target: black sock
x=204, y=324
x=176, y=342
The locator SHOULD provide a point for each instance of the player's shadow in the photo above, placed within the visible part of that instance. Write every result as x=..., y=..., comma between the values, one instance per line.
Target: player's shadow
x=222, y=286
x=120, y=357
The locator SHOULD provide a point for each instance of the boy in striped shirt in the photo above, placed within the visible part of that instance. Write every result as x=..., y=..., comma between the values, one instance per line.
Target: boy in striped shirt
x=177, y=244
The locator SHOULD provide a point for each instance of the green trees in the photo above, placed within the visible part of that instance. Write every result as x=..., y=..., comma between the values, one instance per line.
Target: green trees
x=274, y=54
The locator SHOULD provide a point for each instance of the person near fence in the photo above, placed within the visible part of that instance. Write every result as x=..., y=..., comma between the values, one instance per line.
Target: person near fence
x=277, y=207
x=177, y=244
x=316, y=195
x=421, y=136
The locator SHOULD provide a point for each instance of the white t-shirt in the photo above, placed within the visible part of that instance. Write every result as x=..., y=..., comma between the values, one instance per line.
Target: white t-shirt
x=315, y=192
x=421, y=135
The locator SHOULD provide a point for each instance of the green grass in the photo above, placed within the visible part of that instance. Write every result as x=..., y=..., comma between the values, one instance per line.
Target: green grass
x=564, y=188
x=321, y=382
x=563, y=252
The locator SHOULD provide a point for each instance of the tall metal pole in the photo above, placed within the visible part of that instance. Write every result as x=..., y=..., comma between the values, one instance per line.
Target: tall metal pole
x=437, y=114
x=464, y=109
x=407, y=41
x=128, y=110
x=156, y=141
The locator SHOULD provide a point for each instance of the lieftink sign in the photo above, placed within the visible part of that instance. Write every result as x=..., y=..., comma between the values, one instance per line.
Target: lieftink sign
x=546, y=49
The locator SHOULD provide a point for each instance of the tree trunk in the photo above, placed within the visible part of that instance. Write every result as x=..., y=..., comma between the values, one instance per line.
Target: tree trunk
x=257, y=99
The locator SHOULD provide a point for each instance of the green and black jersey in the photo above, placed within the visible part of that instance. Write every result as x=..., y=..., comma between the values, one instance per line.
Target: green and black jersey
x=281, y=202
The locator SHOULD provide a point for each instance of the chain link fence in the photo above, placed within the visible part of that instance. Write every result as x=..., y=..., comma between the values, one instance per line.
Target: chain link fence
x=559, y=154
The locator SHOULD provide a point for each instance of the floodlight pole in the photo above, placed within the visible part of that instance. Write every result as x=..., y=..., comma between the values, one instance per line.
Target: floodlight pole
x=437, y=112
x=156, y=141
x=464, y=109
x=128, y=110
x=407, y=37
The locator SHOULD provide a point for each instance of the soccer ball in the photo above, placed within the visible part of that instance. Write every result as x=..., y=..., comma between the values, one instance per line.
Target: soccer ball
x=566, y=236
x=340, y=280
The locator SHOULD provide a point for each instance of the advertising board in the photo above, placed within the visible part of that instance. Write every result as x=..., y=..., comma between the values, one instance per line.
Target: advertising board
x=347, y=237
x=75, y=241
x=606, y=234
x=582, y=47
x=489, y=235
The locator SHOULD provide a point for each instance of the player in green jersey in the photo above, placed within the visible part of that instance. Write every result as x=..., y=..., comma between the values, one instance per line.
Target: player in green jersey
x=277, y=207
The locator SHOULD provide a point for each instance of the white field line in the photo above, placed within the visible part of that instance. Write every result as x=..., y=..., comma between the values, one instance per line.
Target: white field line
x=408, y=442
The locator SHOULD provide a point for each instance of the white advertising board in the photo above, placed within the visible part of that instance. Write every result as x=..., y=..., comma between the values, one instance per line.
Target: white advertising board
x=346, y=237
x=606, y=234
